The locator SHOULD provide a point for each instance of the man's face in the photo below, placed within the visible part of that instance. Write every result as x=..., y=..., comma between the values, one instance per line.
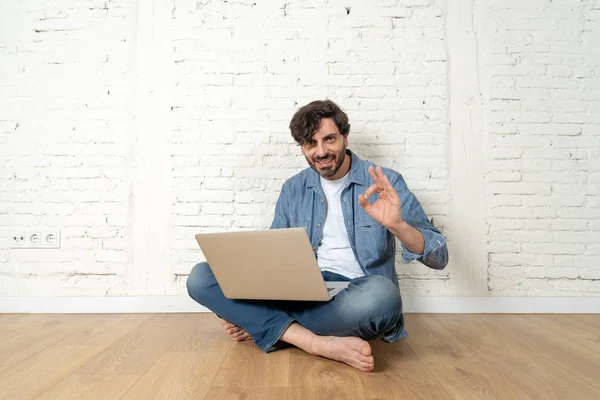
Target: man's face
x=326, y=151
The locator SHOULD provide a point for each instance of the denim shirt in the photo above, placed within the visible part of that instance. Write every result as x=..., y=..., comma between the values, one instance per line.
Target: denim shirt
x=302, y=203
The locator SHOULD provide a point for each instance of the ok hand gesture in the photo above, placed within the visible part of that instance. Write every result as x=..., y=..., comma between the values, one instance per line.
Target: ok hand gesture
x=387, y=208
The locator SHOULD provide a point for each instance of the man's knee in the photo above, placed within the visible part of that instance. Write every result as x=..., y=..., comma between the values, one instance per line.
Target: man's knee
x=199, y=280
x=373, y=298
x=379, y=293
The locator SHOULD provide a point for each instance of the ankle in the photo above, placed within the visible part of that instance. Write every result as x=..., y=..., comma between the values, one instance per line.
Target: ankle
x=314, y=348
x=302, y=338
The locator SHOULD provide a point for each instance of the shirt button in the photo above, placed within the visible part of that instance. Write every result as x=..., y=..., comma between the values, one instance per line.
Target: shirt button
x=322, y=201
x=318, y=225
x=314, y=248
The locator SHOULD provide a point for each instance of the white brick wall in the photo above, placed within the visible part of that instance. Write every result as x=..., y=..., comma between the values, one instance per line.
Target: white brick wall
x=65, y=90
x=134, y=125
x=540, y=73
x=383, y=63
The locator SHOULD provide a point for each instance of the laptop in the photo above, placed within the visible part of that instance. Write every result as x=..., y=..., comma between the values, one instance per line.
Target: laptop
x=272, y=264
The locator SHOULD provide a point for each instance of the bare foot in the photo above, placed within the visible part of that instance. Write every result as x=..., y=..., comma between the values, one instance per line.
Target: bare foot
x=236, y=333
x=351, y=350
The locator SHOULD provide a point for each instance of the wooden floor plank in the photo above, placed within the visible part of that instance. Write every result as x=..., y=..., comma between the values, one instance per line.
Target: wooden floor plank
x=205, y=332
x=208, y=340
x=188, y=368
x=77, y=387
x=574, y=329
x=566, y=353
x=41, y=371
x=107, y=330
x=400, y=374
x=15, y=324
x=186, y=356
x=238, y=393
x=38, y=336
x=592, y=320
x=531, y=371
x=103, y=333
x=171, y=377
x=209, y=361
x=6, y=317
x=589, y=322
x=245, y=365
x=135, y=352
x=460, y=369
x=323, y=379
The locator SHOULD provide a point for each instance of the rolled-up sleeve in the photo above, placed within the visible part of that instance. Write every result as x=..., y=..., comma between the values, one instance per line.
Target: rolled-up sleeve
x=435, y=254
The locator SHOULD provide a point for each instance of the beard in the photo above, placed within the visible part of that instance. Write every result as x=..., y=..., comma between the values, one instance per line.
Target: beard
x=334, y=163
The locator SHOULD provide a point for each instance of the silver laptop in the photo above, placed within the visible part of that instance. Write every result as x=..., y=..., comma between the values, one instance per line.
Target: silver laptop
x=272, y=264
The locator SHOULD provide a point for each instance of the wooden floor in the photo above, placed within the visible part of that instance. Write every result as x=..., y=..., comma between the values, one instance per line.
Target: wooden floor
x=187, y=356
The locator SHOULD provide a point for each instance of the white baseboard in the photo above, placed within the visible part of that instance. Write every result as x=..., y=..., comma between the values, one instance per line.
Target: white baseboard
x=109, y=305
x=183, y=304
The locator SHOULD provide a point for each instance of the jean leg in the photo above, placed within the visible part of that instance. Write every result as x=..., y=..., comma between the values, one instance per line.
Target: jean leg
x=370, y=307
x=333, y=277
x=265, y=321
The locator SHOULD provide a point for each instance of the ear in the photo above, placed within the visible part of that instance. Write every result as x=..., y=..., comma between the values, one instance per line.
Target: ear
x=346, y=141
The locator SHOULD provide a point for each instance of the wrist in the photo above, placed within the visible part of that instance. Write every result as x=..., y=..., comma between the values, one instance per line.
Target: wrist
x=399, y=228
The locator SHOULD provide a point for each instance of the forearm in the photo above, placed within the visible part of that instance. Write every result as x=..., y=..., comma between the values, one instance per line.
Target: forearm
x=409, y=237
x=434, y=252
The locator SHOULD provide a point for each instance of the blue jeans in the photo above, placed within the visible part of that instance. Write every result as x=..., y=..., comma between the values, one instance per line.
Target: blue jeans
x=369, y=308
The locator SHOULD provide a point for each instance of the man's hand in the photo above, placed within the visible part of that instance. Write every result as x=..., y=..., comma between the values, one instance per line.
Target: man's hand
x=236, y=333
x=387, y=208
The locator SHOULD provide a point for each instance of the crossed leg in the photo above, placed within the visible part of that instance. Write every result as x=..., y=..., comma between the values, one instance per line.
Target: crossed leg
x=338, y=329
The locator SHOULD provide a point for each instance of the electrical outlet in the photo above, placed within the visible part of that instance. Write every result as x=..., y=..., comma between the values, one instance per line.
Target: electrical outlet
x=36, y=238
x=50, y=239
x=18, y=240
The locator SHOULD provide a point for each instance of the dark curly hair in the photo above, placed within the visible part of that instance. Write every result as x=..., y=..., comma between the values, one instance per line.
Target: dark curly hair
x=307, y=119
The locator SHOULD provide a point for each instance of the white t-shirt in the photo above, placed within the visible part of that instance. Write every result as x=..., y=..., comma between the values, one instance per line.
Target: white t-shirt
x=335, y=254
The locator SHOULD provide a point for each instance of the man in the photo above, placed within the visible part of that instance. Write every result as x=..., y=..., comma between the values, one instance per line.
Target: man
x=353, y=214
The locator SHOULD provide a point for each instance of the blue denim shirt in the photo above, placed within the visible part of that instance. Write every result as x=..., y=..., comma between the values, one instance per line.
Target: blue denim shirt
x=302, y=203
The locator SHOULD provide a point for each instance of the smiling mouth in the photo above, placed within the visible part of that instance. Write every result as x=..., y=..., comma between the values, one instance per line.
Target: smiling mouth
x=325, y=163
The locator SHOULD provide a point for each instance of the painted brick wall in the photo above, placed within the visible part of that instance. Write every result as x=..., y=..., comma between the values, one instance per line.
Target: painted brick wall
x=133, y=125
x=542, y=81
x=244, y=67
x=64, y=122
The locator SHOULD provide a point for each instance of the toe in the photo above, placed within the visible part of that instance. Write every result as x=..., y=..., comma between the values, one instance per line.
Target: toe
x=366, y=367
x=366, y=350
x=362, y=358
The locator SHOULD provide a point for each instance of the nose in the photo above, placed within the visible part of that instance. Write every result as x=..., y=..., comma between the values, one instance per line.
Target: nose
x=321, y=151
